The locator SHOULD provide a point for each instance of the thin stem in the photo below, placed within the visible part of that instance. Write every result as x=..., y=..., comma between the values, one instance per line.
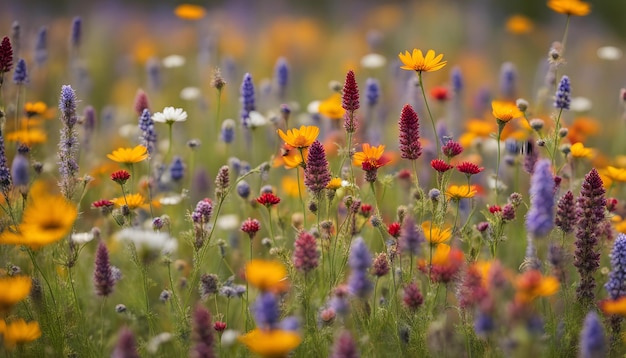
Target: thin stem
x=432, y=120
x=496, y=187
x=557, y=126
x=300, y=190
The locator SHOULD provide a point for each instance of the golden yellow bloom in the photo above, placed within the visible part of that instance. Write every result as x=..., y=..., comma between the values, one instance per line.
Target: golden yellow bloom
x=334, y=184
x=271, y=343
x=578, y=150
x=532, y=284
x=370, y=157
x=505, y=111
x=189, y=11
x=290, y=186
x=129, y=155
x=436, y=235
x=458, y=192
x=331, y=108
x=615, y=174
x=519, y=24
x=300, y=138
x=292, y=158
x=617, y=306
x=267, y=275
x=20, y=332
x=13, y=290
x=47, y=218
x=35, y=109
x=29, y=137
x=570, y=7
x=417, y=62
x=133, y=201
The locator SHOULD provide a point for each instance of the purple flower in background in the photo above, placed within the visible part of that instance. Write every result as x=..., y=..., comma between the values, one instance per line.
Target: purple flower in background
x=202, y=334
x=360, y=257
x=616, y=284
x=20, y=76
x=410, y=146
x=316, y=172
x=592, y=342
x=305, y=254
x=456, y=79
x=126, y=346
x=508, y=80
x=281, y=76
x=247, y=99
x=344, y=346
x=410, y=237
x=103, y=275
x=148, y=137
x=372, y=91
x=77, y=32
x=563, y=94
x=41, y=47
x=540, y=217
x=68, y=143
x=20, y=167
x=565, y=213
x=266, y=312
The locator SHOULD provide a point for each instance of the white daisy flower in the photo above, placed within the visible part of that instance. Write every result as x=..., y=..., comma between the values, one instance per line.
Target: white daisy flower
x=173, y=61
x=149, y=240
x=190, y=93
x=170, y=115
x=609, y=53
x=373, y=60
x=82, y=237
x=580, y=104
x=256, y=119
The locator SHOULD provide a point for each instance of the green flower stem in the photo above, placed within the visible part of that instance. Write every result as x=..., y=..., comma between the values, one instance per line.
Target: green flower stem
x=299, y=189
x=501, y=125
x=557, y=126
x=432, y=120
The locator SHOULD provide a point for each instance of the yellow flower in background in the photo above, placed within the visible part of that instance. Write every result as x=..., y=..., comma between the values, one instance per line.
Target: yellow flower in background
x=133, y=201
x=29, y=137
x=19, y=332
x=13, y=290
x=290, y=186
x=267, y=275
x=532, y=284
x=505, y=111
x=129, y=155
x=35, y=109
x=190, y=12
x=271, y=343
x=578, y=150
x=570, y=7
x=47, y=218
x=300, y=138
x=292, y=158
x=435, y=235
x=615, y=174
x=331, y=108
x=519, y=25
x=417, y=62
x=617, y=307
x=458, y=192
x=334, y=184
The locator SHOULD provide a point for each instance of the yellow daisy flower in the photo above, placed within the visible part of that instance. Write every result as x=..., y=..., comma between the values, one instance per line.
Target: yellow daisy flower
x=331, y=108
x=267, y=275
x=35, y=109
x=28, y=137
x=133, y=201
x=417, y=62
x=271, y=343
x=458, y=192
x=505, y=111
x=47, y=218
x=519, y=25
x=334, y=184
x=189, y=12
x=300, y=138
x=290, y=186
x=615, y=174
x=13, y=290
x=578, y=150
x=436, y=235
x=20, y=332
x=129, y=155
x=570, y=7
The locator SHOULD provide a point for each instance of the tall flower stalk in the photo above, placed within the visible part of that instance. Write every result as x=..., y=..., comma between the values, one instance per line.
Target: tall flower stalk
x=68, y=143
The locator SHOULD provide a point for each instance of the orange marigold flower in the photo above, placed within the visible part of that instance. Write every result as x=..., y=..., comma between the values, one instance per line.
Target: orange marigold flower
x=13, y=290
x=370, y=157
x=570, y=7
x=519, y=25
x=19, y=332
x=505, y=111
x=578, y=150
x=332, y=107
x=532, y=284
x=271, y=343
x=267, y=275
x=189, y=12
x=617, y=307
x=417, y=62
x=35, y=109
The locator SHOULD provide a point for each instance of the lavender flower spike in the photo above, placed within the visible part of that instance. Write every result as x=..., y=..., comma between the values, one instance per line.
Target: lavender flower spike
x=20, y=76
x=247, y=99
x=360, y=257
x=103, y=276
x=305, y=254
x=126, y=346
x=266, y=312
x=68, y=143
x=316, y=173
x=592, y=342
x=540, y=217
x=202, y=334
x=616, y=285
x=344, y=347
x=410, y=237
x=563, y=94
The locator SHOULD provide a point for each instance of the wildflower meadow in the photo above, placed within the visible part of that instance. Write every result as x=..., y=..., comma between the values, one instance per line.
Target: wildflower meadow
x=284, y=179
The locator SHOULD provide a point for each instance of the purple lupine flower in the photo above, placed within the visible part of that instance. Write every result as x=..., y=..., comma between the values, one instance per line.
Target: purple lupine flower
x=590, y=208
x=563, y=94
x=360, y=257
x=266, y=312
x=540, y=217
x=126, y=346
x=483, y=324
x=148, y=137
x=592, y=342
x=202, y=334
x=410, y=146
x=141, y=102
x=372, y=91
x=412, y=297
x=20, y=76
x=177, y=169
x=350, y=102
x=77, y=32
x=290, y=323
x=410, y=237
x=281, y=76
x=246, y=99
x=20, y=167
x=305, y=254
x=565, y=213
x=227, y=134
x=6, y=56
x=359, y=283
x=68, y=143
x=616, y=284
x=456, y=80
x=222, y=182
x=153, y=68
x=508, y=80
x=344, y=346
x=203, y=211
x=41, y=47
x=102, y=275
x=5, y=172
x=316, y=172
